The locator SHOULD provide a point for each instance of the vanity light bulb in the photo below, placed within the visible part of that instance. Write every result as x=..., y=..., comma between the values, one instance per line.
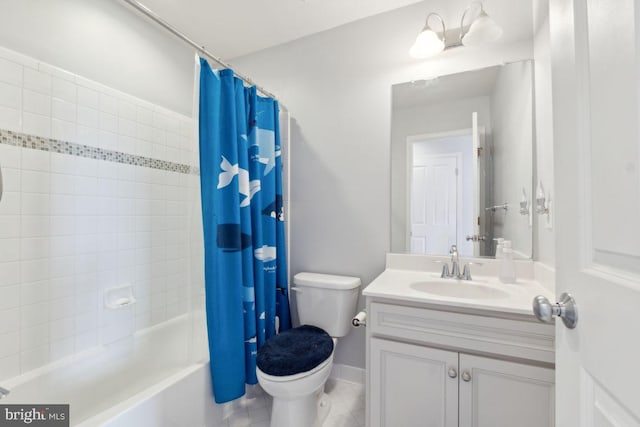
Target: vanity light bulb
x=483, y=30
x=427, y=44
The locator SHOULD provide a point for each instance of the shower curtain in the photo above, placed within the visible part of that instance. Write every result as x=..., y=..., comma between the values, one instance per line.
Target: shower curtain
x=245, y=260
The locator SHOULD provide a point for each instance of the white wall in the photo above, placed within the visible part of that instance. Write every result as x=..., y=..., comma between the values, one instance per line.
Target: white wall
x=512, y=110
x=337, y=86
x=427, y=119
x=104, y=41
x=544, y=237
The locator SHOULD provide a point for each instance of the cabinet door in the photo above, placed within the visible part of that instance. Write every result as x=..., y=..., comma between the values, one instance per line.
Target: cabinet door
x=495, y=393
x=411, y=386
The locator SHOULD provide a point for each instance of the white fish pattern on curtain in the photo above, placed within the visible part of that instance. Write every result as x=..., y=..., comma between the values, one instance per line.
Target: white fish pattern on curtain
x=247, y=188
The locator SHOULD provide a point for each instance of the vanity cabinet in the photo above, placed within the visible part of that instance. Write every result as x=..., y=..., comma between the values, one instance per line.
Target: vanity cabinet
x=499, y=393
x=410, y=385
x=428, y=367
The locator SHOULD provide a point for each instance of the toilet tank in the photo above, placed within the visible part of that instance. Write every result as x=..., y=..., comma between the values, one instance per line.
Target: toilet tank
x=326, y=301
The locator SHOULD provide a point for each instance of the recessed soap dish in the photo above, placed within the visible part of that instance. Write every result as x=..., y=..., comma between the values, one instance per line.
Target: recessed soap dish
x=120, y=297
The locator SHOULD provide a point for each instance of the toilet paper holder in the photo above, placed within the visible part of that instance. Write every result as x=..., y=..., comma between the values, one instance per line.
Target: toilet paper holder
x=359, y=319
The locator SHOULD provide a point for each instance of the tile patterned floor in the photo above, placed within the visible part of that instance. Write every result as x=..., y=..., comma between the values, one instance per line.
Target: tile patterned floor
x=347, y=407
x=347, y=404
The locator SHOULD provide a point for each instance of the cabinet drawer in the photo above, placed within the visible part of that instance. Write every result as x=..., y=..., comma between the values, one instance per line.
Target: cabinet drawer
x=509, y=337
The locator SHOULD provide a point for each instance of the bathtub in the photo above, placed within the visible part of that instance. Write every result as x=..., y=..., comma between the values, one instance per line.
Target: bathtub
x=182, y=400
x=126, y=383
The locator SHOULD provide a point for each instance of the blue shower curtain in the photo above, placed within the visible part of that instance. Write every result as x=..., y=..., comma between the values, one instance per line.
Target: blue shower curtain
x=242, y=211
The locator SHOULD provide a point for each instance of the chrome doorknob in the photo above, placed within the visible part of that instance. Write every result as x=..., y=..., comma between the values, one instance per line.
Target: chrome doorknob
x=466, y=376
x=565, y=309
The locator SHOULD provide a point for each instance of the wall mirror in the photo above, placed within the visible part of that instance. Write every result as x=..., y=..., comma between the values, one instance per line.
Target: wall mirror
x=461, y=162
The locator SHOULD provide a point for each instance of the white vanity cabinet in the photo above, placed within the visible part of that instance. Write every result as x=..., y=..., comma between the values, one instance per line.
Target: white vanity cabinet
x=431, y=367
x=495, y=393
x=410, y=386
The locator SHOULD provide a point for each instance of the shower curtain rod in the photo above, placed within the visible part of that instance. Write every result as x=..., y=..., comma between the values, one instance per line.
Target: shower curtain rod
x=173, y=30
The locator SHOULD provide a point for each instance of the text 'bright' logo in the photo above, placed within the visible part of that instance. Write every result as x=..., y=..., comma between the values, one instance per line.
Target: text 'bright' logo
x=26, y=416
x=38, y=415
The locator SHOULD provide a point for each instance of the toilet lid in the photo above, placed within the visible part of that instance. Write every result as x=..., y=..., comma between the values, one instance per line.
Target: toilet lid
x=295, y=351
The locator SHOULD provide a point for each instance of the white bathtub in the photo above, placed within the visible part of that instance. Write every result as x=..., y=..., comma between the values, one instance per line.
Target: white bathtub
x=112, y=384
x=182, y=400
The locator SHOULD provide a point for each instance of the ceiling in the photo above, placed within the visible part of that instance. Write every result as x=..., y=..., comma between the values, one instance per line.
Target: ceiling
x=446, y=88
x=235, y=28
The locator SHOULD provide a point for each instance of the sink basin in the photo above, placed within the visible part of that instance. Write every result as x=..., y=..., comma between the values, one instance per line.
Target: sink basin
x=459, y=289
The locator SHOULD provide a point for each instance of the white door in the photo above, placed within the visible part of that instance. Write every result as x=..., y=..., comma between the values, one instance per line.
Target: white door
x=596, y=94
x=412, y=386
x=497, y=393
x=434, y=196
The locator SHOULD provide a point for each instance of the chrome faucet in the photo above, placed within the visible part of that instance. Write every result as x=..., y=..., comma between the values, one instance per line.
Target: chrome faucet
x=3, y=392
x=455, y=262
x=455, y=265
x=455, y=273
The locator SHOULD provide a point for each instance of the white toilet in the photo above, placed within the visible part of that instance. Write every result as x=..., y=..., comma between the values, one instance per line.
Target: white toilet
x=327, y=302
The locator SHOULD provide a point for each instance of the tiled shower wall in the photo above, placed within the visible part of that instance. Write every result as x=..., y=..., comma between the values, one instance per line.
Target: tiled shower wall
x=76, y=220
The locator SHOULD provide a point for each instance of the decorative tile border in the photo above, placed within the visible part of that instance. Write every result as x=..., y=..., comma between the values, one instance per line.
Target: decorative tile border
x=73, y=149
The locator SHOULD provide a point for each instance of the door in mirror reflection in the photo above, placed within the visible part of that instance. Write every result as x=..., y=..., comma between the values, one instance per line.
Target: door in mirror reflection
x=441, y=192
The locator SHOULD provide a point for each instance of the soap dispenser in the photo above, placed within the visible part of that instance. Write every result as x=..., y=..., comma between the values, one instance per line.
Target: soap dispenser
x=499, y=246
x=507, y=266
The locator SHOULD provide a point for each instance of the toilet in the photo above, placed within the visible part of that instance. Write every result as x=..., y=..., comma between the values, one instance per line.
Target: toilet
x=294, y=365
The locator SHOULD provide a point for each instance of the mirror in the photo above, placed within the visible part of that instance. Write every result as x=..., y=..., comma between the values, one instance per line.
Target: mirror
x=461, y=162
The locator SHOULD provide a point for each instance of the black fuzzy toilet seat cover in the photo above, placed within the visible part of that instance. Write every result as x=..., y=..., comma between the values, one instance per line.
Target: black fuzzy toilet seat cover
x=295, y=351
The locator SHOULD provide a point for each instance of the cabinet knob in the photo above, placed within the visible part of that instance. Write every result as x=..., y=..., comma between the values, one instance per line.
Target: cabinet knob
x=466, y=376
x=452, y=372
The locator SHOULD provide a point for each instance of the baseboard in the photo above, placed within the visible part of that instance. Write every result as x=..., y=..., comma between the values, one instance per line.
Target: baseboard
x=348, y=373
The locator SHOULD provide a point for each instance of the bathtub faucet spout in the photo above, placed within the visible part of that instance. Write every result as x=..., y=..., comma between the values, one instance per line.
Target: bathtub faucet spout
x=3, y=392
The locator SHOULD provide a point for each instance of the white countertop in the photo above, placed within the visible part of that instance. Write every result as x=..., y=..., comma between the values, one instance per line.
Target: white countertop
x=395, y=284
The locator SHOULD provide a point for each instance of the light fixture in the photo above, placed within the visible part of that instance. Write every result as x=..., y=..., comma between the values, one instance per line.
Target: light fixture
x=542, y=205
x=482, y=30
x=524, y=203
x=428, y=43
